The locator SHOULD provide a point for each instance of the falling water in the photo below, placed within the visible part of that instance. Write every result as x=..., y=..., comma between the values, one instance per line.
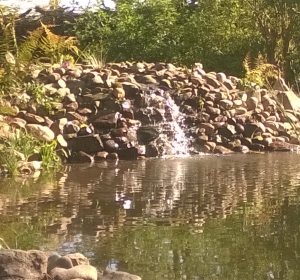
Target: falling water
x=172, y=139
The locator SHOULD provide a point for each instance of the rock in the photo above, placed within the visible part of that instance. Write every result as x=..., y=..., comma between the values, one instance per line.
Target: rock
x=41, y=132
x=146, y=79
x=105, y=119
x=32, y=119
x=221, y=77
x=100, y=156
x=71, y=107
x=88, y=144
x=128, y=154
x=209, y=128
x=249, y=129
x=71, y=116
x=227, y=131
x=151, y=151
x=211, y=80
x=22, y=264
x=17, y=123
x=222, y=150
x=82, y=157
x=71, y=127
x=83, y=272
x=61, y=142
x=29, y=166
x=284, y=147
x=252, y=103
x=241, y=149
x=225, y=104
x=118, y=275
x=110, y=145
x=146, y=134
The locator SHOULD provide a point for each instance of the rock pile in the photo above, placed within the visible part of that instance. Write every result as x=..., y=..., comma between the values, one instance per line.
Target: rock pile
x=35, y=265
x=127, y=111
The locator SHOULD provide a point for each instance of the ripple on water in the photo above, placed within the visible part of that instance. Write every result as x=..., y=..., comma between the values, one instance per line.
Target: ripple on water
x=188, y=217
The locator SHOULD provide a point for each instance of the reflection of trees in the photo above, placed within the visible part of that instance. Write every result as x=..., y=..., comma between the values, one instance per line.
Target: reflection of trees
x=198, y=216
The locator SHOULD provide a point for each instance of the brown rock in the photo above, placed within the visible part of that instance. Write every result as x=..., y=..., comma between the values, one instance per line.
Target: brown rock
x=209, y=128
x=22, y=265
x=84, y=272
x=252, y=103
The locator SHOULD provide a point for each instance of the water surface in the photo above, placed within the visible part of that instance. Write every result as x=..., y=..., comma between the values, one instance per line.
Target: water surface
x=204, y=217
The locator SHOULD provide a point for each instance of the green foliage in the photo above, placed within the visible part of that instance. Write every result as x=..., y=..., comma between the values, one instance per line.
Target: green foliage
x=260, y=75
x=90, y=58
x=27, y=145
x=39, y=97
x=43, y=45
x=9, y=160
x=50, y=159
x=21, y=142
x=7, y=110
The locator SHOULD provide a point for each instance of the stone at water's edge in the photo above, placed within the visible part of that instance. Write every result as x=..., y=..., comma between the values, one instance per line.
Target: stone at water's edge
x=84, y=272
x=18, y=264
x=34, y=265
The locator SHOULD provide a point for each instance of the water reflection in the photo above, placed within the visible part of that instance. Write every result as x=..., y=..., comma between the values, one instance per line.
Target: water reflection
x=209, y=217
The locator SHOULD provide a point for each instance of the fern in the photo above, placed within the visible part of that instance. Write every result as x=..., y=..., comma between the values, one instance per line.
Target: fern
x=56, y=46
x=29, y=46
x=43, y=44
x=7, y=32
x=262, y=73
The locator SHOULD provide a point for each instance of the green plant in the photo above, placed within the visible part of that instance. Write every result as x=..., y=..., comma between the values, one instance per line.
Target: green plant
x=260, y=75
x=7, y=110
x=9, y=160
x=49, y=157
x=96, y=61
x=55, y=46
x=21, y=142
x=39, y=97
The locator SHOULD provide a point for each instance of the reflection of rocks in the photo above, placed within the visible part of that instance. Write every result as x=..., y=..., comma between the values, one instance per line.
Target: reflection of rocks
x=93, y=201
x=118, y=275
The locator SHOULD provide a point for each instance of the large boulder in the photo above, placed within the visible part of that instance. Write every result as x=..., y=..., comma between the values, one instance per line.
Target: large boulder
x=18, y=264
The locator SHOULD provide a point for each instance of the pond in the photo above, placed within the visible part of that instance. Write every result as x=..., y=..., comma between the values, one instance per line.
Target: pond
x=202, y=217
